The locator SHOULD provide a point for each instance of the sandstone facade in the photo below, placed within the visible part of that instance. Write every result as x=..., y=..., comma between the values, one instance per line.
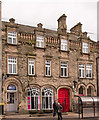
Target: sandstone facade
x=53, y=84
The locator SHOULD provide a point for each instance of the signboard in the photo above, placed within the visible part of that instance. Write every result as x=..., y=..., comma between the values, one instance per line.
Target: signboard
x=11, y=87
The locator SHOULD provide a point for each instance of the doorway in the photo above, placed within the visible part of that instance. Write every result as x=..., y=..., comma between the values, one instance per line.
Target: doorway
x=11, y=99
x=64, y=99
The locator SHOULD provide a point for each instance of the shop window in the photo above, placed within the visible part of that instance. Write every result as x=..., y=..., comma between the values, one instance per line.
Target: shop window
x=47, y=98
x=40, y=41
x=12, y=37
x=33, y=99
x=12, y=65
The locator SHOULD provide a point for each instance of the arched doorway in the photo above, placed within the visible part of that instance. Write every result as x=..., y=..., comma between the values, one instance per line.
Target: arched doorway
x=11, y=98
x=64, y=99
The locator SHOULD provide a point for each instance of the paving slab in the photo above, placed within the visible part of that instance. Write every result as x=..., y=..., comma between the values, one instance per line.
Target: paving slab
x=68, y=116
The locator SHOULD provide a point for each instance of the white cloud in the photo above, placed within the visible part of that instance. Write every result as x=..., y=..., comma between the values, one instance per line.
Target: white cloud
x=32, y=12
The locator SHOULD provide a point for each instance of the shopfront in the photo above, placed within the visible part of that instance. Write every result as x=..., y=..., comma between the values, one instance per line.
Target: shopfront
x=40, y=99
x=12, y=95
x=11, y=98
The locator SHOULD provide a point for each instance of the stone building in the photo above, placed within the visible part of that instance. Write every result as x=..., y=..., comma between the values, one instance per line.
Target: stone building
x=42, y=65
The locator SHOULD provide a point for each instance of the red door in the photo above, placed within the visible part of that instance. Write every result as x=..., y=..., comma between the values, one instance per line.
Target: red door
x=63, y=97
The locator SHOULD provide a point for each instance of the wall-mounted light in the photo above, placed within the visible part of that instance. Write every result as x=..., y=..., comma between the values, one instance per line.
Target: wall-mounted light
x=74, y=87
x=75, y=83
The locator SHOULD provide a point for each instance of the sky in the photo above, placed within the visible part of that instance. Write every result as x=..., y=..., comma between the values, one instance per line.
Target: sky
x=47, y=12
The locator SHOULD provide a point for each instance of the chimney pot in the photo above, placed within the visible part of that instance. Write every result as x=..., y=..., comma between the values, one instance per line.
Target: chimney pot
x=40, y=25
x=12, y=20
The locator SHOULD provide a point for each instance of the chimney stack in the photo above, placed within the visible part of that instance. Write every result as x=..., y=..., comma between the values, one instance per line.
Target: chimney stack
x=77, y=29
x=62, y=27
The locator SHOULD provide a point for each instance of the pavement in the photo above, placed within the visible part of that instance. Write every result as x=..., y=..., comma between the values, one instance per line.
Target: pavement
x=67, y=116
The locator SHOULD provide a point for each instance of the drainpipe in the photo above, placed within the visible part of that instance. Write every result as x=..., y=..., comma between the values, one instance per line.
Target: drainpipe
x=97, y=59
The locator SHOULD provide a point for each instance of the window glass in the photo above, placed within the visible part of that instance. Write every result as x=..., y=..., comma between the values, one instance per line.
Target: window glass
x=9, y=40
x=12, y=98
x=14, y=68
x=10, y=68
x=81, y=90
x=89, y=91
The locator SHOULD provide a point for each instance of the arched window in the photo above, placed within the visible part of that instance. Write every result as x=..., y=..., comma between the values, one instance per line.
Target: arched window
x=47, y=98
x=33, y=98
x=81, y=90
x=89, y=91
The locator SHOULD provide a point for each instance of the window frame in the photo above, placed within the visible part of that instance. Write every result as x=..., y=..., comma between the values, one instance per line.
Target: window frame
x=81, y=71
x=12, y=35
x=81, y=89
x=88, y=69
x=12, y=64
x=90, y=91
x=39, y=39
x=50, y=105
x=85, y=47
x=64, y=44
x=36, y=94
x=31, y=66
x=48, y=66
x=62, y=67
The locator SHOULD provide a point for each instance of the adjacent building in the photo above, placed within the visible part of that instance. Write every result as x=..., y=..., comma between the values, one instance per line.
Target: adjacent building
x=41, y=65
x=0, y=60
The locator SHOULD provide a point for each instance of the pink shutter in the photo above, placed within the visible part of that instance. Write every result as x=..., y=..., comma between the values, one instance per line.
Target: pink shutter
x=29, y=102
